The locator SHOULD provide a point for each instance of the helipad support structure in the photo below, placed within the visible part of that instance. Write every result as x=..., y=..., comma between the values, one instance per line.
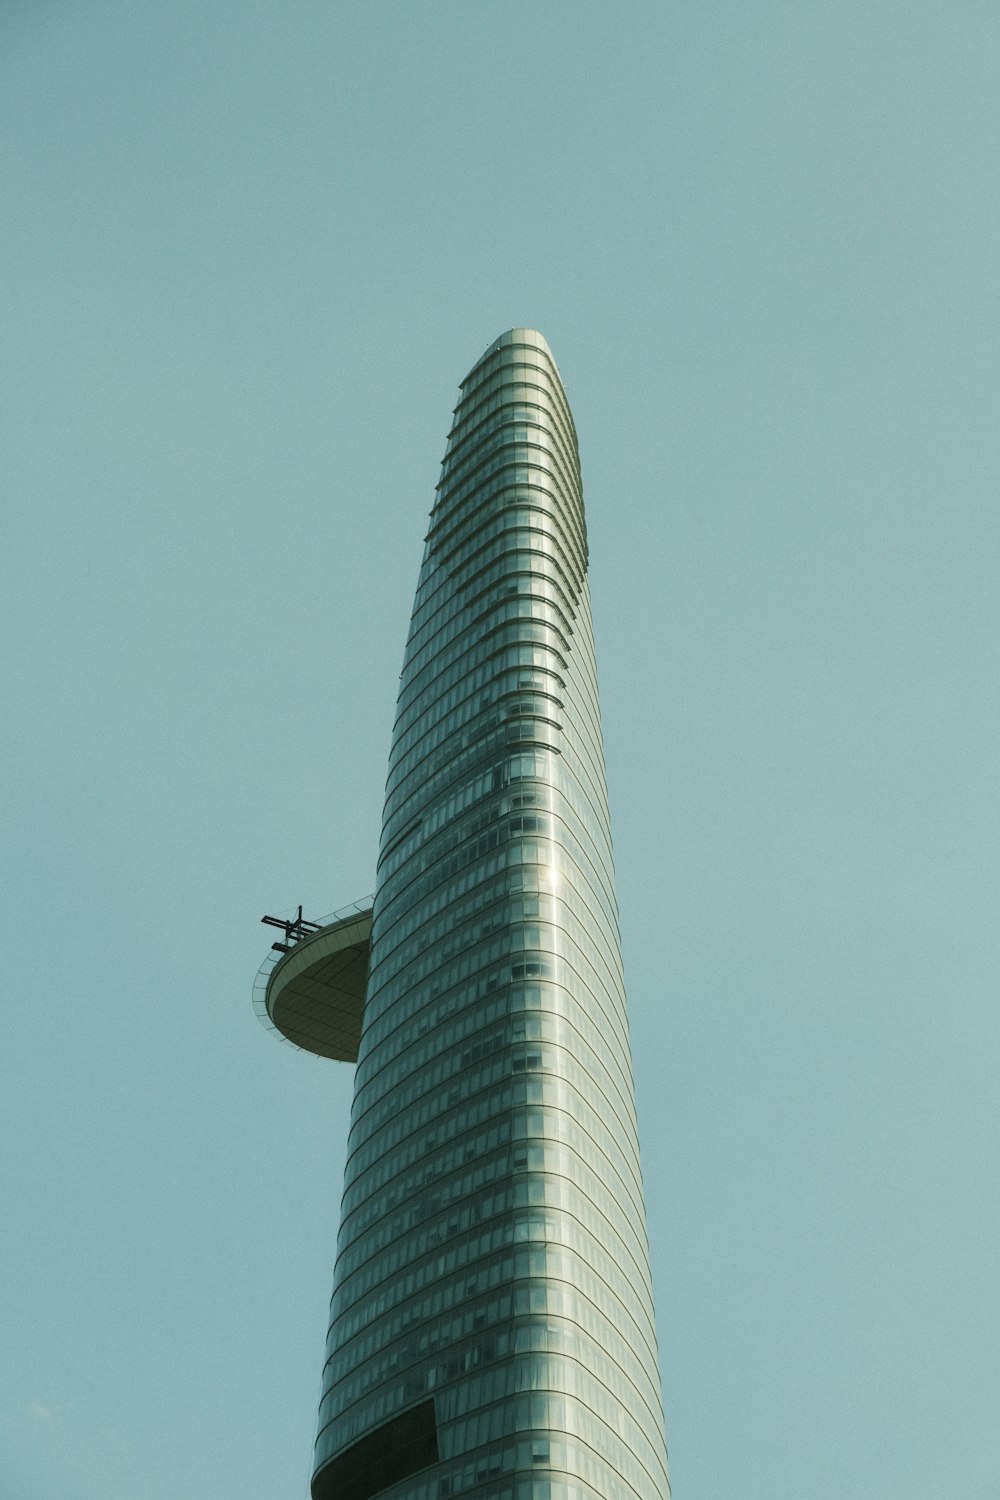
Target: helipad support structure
x=491, y=1330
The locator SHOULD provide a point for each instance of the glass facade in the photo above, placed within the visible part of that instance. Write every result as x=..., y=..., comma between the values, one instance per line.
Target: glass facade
x=491, y=1327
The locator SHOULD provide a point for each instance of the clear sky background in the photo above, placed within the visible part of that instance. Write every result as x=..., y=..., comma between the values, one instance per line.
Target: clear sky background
x=248, y=251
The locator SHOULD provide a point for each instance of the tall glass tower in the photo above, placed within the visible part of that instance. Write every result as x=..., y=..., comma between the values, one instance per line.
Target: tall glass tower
x=491, y=1330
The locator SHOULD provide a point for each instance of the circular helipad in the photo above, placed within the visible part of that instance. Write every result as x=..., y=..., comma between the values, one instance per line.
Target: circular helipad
x=315, y=994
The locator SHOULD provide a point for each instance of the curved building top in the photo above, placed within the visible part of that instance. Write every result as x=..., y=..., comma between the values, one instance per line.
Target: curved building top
x=521, y=336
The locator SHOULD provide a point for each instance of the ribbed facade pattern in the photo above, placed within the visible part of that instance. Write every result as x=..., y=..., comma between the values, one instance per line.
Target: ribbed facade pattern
x=492, y=1257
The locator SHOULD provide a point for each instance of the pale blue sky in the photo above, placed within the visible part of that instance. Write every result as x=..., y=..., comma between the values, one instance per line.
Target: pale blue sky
x=248, y=252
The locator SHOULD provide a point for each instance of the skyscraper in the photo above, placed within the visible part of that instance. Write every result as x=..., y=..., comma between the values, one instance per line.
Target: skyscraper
x=491, y=1329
